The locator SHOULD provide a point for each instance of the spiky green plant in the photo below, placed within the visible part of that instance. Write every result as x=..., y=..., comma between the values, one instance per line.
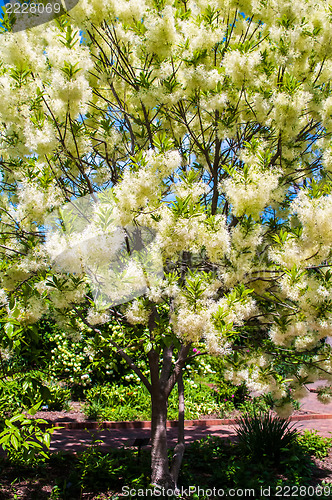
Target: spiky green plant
x=265, y=435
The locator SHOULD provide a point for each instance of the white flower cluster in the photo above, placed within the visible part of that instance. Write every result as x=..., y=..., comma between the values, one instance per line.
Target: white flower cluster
x=137, y=190
x=252, y=372
x=314, y=244
x=191, y=326
x=97, y=317
x=34, y=203
x=241, y=67
x=30, y=312
x=216, y=239
x=62, y=299
x=3, y=297
x=243, y=248
x=195, y=324
x=137, y=313
x=251, y=194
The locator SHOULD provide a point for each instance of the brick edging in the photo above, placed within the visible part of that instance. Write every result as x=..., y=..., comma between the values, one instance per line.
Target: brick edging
x=170, y=423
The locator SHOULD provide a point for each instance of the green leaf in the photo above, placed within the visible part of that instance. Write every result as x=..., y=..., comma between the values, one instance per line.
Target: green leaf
x=70, y=70
x=35, y=408
x=14, y=441
x=9, y=329
x=167, y=339
x=47, y=440
x=4, y=437
x=148, y=347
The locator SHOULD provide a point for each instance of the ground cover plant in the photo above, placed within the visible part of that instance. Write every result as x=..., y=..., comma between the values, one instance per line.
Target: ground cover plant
x=117, y=402
x=165, y=190
x=312, y=443
x=96, y=474
x=131, y=402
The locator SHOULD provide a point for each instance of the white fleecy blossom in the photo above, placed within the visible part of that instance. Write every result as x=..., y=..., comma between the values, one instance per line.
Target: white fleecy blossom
x=34, y=202
x=137, y=313
x=314, y=243
x=30, y=312
x=3, y=297
x=120, y=262
x=252, y=193
x=97, y=317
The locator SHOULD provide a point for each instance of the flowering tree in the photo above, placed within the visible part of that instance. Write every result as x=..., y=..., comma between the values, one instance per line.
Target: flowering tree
x=201, y=130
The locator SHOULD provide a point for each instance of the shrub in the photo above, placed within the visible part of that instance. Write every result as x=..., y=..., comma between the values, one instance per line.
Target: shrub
x=214, y=461
x=200, y=399
x=58, y=399
x=27, y=390
x=23, y=439
x=314, y=444
x=10, y=399
x=256, y=405
x=263, y=435
x=118, y=402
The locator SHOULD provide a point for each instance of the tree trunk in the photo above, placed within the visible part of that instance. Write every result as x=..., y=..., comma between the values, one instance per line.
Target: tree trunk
x=180, y=447
x=161, y=387
x=160, y=472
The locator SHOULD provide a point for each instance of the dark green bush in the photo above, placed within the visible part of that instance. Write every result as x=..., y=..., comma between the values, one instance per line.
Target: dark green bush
x=264, y=435
x=214, y=461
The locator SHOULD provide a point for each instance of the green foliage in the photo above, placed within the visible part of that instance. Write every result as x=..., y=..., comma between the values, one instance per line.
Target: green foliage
x=70, y=70
x=19, y=393
x=264, y=435
x=10, y=399
x=23, y=437
x=118, y=402
x=314, y=444
x=200, y=399
x=59, y=398
x=214, y=461
x=87, y=360
x=228, y=391
x=253, y=406
x=207, y=463
x=79, y=362
x=97, y=469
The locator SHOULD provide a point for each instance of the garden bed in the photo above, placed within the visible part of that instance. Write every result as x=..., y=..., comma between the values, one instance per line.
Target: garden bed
x=76, y=414
x=94, y=474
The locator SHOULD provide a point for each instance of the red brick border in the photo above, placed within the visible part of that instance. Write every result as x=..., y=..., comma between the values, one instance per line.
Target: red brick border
x=170, y=423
